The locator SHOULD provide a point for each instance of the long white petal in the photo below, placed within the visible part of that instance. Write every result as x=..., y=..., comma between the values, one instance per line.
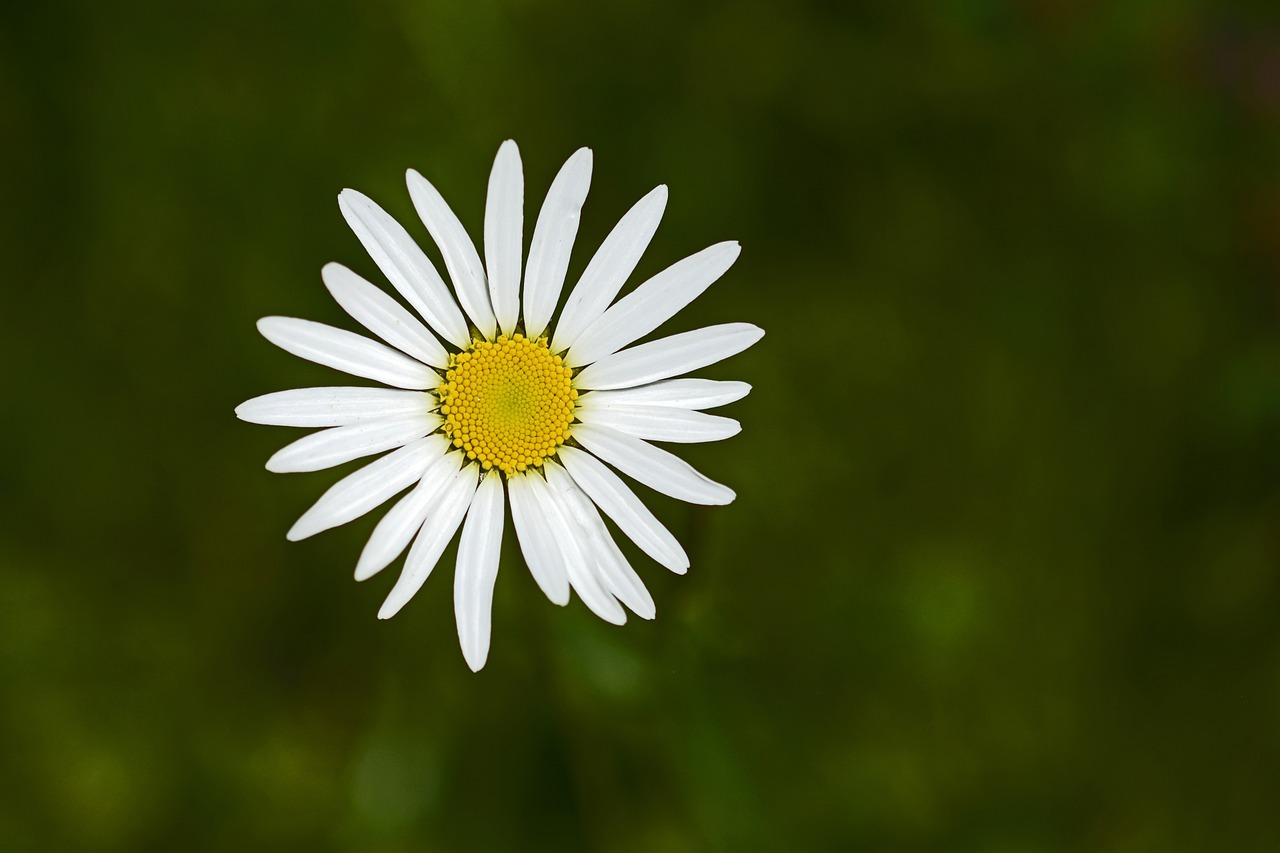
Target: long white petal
x=478, y=552
x=338, y=445
x=348, y=352
x=690, y=394
x=338, y=406
x=459, y=253
x=609, y=268
x=617, y=500
x=581, y=570
x=504, y=235
x=552, y=242
x=402, y=522
x=667, y=357
x=612, y=569
x=656, y=468
x=437, y=531
x=662, y=423
x=652, y=303
x=544, y=559
x=369, y=487
x=405, y=265
x=382, y=315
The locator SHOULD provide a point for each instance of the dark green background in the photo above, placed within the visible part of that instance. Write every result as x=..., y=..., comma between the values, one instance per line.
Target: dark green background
x=1002, y=572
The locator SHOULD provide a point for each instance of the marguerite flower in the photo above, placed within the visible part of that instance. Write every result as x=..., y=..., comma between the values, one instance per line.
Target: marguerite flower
x=488, y=404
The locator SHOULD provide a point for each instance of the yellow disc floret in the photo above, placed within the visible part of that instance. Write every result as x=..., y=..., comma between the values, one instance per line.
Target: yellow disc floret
x=507, y=403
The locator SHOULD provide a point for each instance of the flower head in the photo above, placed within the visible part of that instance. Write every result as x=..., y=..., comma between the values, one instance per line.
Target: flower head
x=488, y=404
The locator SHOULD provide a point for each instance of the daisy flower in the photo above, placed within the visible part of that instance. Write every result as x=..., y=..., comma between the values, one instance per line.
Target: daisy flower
x=488, y=403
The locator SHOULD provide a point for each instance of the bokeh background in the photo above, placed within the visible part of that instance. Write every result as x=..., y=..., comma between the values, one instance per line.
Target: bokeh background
x=1002, y=572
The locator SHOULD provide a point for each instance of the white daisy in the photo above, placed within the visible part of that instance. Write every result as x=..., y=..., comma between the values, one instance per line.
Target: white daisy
x=489, y=405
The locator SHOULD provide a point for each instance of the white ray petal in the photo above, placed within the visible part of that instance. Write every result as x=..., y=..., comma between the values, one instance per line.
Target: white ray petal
x=610, y=267
x=433, y=538
x=369, y=487
x=544, y=559
x=504, y=235
x=338, y=445
x=656, y=468
x=552, y=243
x=478, y=552
x=336, y=406
x=459, y=253
x=404, y=264
x=667, y=357
x=402, y=522
x=662, y=423
x=633, y=518
x=348, y=352
x=652, y=303
x=612, y=568
x=690, y=394
x=577, y=559
x=382, y=315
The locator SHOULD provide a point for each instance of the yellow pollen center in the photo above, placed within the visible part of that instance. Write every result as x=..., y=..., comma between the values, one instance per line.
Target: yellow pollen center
x=507, y=403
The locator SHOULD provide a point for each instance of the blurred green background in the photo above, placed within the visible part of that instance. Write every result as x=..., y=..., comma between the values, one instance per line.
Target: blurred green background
x=1002, y=572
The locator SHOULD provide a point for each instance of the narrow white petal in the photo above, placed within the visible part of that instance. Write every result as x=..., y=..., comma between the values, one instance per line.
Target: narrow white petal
x=609, y=268
x=667, y=357
x=552, y=242
x=544, y=559
x=617, y=500
x=382, y=315
x=404, y=264
x=460, y=257
x=478, y=552
x=322, y=407
x=504, y=234
x=348, y=352
x=690, y=394
x=402, y=522
x=338, y=445
x=581, y=571
x=612, y=568
x=656, y=468
x=369, y=487
x=433, y=538
x=652, y=303
x=662, y=423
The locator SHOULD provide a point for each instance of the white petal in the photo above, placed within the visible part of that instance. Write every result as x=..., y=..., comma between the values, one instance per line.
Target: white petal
x=633, y=518
x=609, y=268
x=338, y=445
x=656, y=468
x=402, y=522
x=382, y=315
x=679, y=393
x=369, y=487
x=581, y=571
x=459, y=253
x=504, y=234
x=478, y=552
x=612, y=568
x=544, y=559
x=322, y=407
x=348, y=352
x=437, y=531
x=667, y=357
x=662, y=423
x=652, y=303
x=405, y=265
x=552, y=242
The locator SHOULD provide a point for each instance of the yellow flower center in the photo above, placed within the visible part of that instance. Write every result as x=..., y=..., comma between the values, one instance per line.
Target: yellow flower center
x=507, y=403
